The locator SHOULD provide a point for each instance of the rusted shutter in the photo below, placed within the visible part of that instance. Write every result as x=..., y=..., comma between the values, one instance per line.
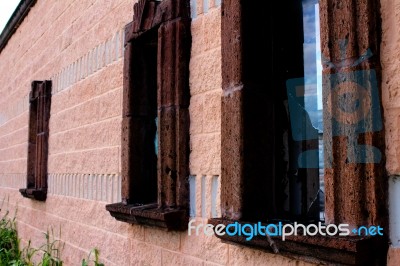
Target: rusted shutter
x=39, y=115
x=173, y=113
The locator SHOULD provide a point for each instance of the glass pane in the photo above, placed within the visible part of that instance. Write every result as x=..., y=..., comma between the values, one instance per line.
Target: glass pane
x=313, y=83
x=306, y=116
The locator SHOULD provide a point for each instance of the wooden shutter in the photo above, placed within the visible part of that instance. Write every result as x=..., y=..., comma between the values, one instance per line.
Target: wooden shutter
x=39, y=115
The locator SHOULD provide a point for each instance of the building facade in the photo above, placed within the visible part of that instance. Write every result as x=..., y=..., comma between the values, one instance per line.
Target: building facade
x=121, y=121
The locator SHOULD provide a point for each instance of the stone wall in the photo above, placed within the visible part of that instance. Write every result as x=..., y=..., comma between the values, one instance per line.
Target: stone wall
x=79, y=46
x=390, y=54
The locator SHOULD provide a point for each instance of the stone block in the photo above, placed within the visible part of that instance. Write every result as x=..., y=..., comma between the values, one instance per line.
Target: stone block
x=205, y=72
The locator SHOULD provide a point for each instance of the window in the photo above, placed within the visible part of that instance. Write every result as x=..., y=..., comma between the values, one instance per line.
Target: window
x=39, y=116
x=262, y=180
x=155, y=125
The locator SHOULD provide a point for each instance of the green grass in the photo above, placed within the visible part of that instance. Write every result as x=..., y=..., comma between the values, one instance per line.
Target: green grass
x=48, y=254
x=9, y=243
x=96, y=262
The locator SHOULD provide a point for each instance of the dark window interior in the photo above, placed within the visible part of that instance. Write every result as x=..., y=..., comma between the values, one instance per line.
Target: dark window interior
x=144, y=114
x=275, y=187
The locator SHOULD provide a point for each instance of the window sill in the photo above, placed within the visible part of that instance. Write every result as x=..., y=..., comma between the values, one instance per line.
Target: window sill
x=34, y=193
x=352, y=250
x=151, y=215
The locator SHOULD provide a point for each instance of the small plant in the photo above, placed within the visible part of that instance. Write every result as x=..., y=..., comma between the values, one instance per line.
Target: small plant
x=96, y=262
x=49, y=254
x=9, y=242
x=11, y=254
x=51, y=250
x=27, y=255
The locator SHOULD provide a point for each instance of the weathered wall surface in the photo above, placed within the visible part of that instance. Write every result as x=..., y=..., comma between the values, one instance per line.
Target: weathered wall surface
x=79, y=46
x=390, y=54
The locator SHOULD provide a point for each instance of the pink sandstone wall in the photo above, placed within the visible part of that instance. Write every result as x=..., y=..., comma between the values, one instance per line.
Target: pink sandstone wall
x=79, y=46
x=390, y=55
x=390, y=60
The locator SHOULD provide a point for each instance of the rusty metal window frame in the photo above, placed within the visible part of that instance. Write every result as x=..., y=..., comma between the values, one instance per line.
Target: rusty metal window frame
x=38, y=140
x=166, y=25
x=355, y=193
